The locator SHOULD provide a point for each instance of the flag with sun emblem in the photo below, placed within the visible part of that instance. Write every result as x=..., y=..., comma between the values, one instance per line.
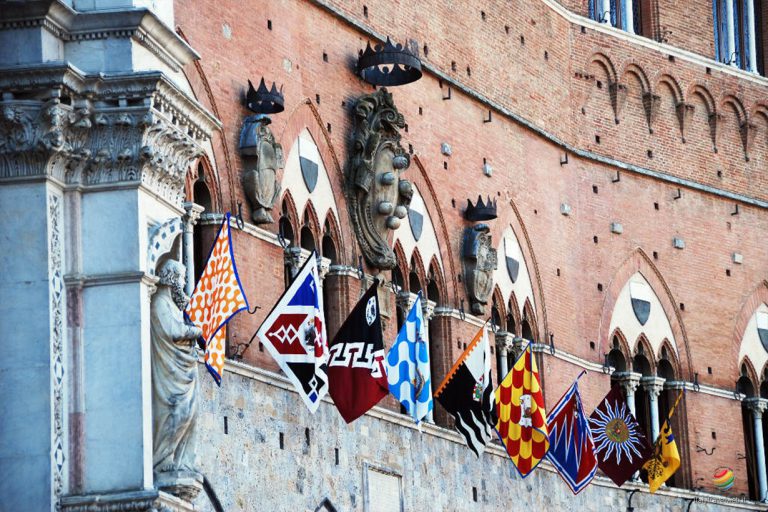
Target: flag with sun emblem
x=620, y=445
x=408, y=366
x=522, y=420
x=218, y=296
x=666, y=457
x=572, y=449
x=294, y=334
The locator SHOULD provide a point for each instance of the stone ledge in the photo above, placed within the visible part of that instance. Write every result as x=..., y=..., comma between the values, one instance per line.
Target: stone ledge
x=130, y=501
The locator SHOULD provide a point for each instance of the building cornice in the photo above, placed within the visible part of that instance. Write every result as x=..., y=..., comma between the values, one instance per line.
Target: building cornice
x=554, y=139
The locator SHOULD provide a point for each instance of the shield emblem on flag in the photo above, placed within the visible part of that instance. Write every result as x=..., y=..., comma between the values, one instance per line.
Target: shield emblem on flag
x=513, y=266
x=416, y=220
x=309, y=173
x=762, y=329
x=640, y=293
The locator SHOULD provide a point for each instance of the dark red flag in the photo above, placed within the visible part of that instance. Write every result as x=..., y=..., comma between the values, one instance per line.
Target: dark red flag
x=620, y=446
x=356, y=374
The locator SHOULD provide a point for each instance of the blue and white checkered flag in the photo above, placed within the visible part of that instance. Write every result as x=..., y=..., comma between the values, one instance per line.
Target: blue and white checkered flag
x=408, y=366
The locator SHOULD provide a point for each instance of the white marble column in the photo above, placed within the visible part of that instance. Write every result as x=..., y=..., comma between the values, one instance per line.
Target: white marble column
x=629, y=18
x=750, y=5
x=730, y=33
x=428, y=311
x=503, y=348
x=604, y=11
x=190, y=218
x=758, y=406
x=653, y=386
x=630, y=382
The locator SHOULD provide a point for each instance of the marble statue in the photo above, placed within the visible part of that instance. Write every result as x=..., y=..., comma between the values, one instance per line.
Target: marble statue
x=174, y=375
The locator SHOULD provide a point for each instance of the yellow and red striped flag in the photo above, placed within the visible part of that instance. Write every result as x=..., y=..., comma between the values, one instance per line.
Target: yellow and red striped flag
x=218, y=296
x=522, y=423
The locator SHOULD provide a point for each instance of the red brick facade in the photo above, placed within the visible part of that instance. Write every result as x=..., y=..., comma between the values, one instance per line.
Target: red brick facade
x=666, y=143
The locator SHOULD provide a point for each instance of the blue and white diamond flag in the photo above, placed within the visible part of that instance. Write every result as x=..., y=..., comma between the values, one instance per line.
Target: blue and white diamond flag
x=408, y=366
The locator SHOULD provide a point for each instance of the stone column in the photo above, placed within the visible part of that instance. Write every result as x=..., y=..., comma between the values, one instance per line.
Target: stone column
x=428, y=310
x=292, y=258
x=629, y=19
x=730, y=33
x=629, y=381
x=758, y=406
x=191, y=215
x=750, y=5
x=124, y=137
x=503, y=346
x=605, y=11
x=653, y=386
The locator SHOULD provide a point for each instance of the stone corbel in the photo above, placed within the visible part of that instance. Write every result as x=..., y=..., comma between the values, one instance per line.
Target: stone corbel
x=684, y=113
x=428, y=309
x=651, y=103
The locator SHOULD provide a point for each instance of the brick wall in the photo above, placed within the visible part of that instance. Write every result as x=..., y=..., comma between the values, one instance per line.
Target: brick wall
x=567, y=93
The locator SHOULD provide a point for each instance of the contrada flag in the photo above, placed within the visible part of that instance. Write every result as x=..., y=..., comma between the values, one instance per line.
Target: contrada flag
x=522, y=424
x=356, y=365
x=666, y=457
x=407, y=366
x=467, y=393
x=620, y=445
x=294, y=334
x=218, y=296
x=571, y=448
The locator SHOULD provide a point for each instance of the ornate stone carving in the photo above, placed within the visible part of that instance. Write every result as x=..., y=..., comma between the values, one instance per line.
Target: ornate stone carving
x=262, y=157
x=378, y=197
x=174, y=385
x=97, y=136
x=479, y=261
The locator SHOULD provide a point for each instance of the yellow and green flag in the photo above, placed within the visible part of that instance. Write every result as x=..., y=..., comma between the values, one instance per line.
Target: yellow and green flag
x=666, y=457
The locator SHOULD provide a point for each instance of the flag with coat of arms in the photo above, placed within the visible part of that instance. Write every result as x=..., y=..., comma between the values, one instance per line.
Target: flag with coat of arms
x=294, y=334
x=522, y=420
x=407, y=366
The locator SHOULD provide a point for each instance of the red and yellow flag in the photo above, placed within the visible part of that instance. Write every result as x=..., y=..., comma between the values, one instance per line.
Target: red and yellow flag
x=522, y=423
x=217, y=297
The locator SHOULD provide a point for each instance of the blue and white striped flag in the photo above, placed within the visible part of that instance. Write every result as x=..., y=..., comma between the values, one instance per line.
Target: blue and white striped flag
x=408, y=366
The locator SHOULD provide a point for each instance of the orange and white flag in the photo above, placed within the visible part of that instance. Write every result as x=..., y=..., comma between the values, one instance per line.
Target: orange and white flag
x=218, y=296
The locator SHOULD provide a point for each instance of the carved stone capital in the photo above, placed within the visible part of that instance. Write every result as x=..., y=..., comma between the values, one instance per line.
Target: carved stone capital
x=99, y=137
x=192, y=215
x=504, y=341
x=653, y=385
x=756, y=405
x=292, y=258
x=428, y=309
x=630, y=381
x=405, y=301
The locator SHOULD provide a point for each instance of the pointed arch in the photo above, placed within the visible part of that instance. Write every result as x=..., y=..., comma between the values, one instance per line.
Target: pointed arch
x=309, y=220
x=667, y=353
x=513, y=311
x=332, y=231
x=202, y=170
x=529, y=320
x=304, y=116
x=422, y=180
x=436, y=281
x=498, y=309
x=745, y=342
x=639, y=262
x=737, y=106
x=401, y=261
x=747, y=370
x=644, y=349
x=289, y=214
x=416, y=268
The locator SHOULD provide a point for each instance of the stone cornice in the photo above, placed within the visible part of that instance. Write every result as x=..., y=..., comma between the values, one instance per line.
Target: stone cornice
x=141, y=25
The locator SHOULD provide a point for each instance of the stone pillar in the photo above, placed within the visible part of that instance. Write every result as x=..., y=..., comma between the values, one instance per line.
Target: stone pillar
x=503, y=348
x=605, y=11
x=730, y=38
x=629, y=19
x=428, y=310
x=758, y=406
x=750, y=5
x=192, y=214
x=440, y=354
x=124, y=137
x=653, y=386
